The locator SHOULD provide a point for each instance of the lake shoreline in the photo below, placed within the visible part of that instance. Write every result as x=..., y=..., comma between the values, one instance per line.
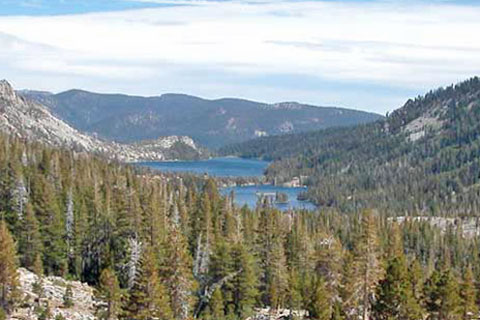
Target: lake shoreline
x=243, y=176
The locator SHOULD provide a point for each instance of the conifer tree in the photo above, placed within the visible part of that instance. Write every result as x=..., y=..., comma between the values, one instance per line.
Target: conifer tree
x=468, y=295
x=216, y=306
x=149, y=298
x=416, y=278
x=111, y=294
x=368, y=267
x=294, y=299
x=431, y=292
x=30, y=242
x=8, y=270
x=272, y=258
x=38, y=284
x=395, y=298
x=348, y=287
x=245, y=284
x=277, y=280
x=178, y=275
x=442, y=296
x=320, y=307
x=449, y=294
x=328, y=263
x=51, y=225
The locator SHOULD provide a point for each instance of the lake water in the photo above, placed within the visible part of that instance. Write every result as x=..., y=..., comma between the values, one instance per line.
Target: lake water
x=248, y=195
x=218, y=167
x=235, y=167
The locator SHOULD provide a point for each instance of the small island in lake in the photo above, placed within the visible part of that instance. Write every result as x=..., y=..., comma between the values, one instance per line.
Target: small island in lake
x=281, y=198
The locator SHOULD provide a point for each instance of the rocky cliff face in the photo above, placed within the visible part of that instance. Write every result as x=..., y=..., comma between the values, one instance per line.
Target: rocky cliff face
x=31, y=120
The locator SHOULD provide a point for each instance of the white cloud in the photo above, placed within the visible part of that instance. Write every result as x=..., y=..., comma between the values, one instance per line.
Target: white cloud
x=414, y=46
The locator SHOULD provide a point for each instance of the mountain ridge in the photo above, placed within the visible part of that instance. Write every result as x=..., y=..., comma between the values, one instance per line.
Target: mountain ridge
x=431, y=144
x=212, y=123
x=31, y=120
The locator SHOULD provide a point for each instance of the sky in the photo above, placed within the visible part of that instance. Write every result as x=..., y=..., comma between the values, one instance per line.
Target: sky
x=367, y=55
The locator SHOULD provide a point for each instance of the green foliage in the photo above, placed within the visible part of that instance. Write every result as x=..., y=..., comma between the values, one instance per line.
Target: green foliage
x=148, y=297
x=430, y=166
x=30, y=242
x=110, y=292
x=442, y=295
x=44, y=313
x=468, y=295
x=320, y=307
x=216, y=306
x=168, y=241
x=368, y=268
x=395, y=298
x=8, y=270
x=59, y=316
x=68, y=297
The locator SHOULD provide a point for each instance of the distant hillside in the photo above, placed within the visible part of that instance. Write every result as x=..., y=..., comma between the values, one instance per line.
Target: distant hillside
x=212, y=123
x=30, y=120
x=423, y=157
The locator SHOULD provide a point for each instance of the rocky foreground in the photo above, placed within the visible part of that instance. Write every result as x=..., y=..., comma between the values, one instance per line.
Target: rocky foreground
x=54, y=289
x=85, y=303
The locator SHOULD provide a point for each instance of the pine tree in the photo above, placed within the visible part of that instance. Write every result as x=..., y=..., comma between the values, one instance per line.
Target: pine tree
x=442, y=296
x=149, y=298
x=216, y=305
x=348, y=287
x=294, y=291
x=368, y=267
x=449, y=295
x=277, y=282
x=38, y=284
x=468, y=295
x=395, y=298
x=328, y=263
x=244, y=285
x=320, y=307
x=272, y=258
x=8, y=270
x=178, y=275
x=111, y=294
x=52, y=226
x=431, y=293
x=416, y=278
x=30, y=242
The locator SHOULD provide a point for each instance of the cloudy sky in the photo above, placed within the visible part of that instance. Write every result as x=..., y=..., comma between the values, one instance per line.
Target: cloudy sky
x=369, y=55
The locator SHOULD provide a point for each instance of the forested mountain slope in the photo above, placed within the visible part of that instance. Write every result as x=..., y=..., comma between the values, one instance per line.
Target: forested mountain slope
x=158, y=247
x=423, y=158
x=211, y=123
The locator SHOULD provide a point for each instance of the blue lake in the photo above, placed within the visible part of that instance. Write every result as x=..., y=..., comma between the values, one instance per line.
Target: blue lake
x=218, y=167
x=235, y=167
x=248, y=195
